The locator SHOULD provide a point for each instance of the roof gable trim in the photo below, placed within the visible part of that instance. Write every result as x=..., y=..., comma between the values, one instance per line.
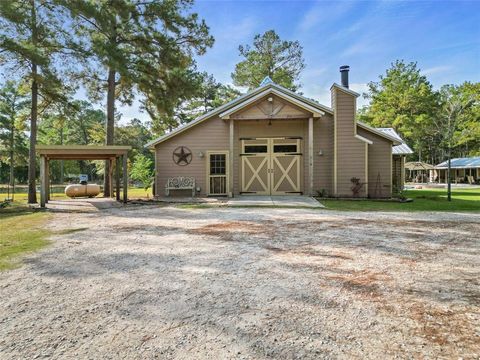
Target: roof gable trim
x=307, y=107
x=379, y=133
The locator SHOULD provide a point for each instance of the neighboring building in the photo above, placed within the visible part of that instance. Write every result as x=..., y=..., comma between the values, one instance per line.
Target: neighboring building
x=464, y=170
x=272, y=141
x=399, y=153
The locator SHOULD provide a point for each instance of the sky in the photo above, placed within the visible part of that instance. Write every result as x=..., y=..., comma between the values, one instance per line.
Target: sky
x=443, y=37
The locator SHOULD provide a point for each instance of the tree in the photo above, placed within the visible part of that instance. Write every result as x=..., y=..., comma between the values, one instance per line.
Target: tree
x=132, y=40
x=135, y=134
x=13, y=104
x=270, y=56
x=405, y=100
x=210, y=95
x=455, y=107
x=29, y=41
x=467, y=134
x=142, y=170
x=74, y=122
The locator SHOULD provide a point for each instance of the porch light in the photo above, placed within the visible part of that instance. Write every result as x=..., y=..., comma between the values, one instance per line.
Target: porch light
x=201, y=155
x=320, y=152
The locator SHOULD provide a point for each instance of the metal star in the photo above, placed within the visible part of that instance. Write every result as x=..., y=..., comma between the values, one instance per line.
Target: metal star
x=182, y=156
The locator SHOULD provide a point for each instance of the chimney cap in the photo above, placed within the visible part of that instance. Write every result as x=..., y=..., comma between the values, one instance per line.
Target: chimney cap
x=344, y=68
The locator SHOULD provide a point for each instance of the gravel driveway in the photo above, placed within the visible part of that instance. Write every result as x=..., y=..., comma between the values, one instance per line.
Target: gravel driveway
x=146, y=282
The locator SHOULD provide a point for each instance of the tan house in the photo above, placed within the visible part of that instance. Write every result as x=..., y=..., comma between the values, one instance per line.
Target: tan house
x=272, y=141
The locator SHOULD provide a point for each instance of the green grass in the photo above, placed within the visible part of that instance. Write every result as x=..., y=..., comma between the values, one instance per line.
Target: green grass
x=423, y=200
x=21, y=232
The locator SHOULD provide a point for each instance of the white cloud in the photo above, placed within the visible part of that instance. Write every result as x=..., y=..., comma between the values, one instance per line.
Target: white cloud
x=239, y=30
x=322, y=13
x=435, y=70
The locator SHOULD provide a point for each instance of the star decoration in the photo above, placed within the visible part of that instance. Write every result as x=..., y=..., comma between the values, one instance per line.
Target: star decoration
x=182, y=156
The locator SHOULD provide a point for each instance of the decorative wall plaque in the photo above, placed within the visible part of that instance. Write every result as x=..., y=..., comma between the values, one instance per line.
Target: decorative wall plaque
x=182, y=156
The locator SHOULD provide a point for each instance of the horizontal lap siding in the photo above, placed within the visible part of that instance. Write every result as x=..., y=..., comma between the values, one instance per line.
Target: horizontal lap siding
x=212, y=134
x=323, y=164
x=350, y=150
x=379, y=165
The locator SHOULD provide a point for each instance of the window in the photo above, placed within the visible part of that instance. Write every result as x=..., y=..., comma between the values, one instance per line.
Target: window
x=217, y=164
x=255, y=149
x=290, y=148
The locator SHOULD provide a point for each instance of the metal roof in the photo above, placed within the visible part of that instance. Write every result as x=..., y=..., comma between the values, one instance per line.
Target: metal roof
x=418, y=165
x=220, y=109
x=461, y=163
x=403, y=148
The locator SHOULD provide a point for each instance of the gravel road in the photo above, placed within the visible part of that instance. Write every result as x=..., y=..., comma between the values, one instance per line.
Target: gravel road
x=145, y=282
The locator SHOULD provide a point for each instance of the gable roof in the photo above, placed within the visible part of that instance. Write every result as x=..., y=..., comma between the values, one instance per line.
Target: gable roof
x=315, y=111
x=268, y=87
x=403, y=148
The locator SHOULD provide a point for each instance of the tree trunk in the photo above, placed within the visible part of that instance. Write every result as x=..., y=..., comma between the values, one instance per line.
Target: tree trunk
x=12, y=144
x=107, y=192
x=449, y=180
x=61, y=161
x=32, y=191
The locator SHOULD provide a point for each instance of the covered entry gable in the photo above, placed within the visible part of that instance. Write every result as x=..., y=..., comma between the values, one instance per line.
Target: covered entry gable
x=270, y=107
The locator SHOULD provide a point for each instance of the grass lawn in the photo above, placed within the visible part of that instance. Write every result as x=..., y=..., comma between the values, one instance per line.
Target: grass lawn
x=21, y=231
x=423, y=200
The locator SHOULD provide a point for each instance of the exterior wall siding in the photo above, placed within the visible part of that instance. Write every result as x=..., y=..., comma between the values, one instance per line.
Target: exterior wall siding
x=379, y=165
x=350, y=151
x=210, y=135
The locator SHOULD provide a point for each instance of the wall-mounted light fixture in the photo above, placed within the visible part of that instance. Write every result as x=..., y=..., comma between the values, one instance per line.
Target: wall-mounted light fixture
x=201, y=155
x=320, y=152
x=198, y=188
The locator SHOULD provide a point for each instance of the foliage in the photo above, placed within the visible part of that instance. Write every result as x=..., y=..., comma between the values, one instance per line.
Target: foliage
x=459, y=122
x=136, y=134
x=13, y=141
x=142, y=170
x=32, y=40
x=209, y=95
x=281, y=60
x=405, y=100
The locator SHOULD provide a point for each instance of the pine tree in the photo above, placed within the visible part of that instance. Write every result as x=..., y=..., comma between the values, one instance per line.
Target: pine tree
x=141, y=46
x=30, y=34
x=270, y=56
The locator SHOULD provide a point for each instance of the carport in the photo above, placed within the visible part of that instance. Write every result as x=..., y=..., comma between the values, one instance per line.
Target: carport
x=112, y=153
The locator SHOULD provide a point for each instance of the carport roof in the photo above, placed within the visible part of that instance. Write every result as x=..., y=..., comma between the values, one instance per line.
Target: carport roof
x=82, y=152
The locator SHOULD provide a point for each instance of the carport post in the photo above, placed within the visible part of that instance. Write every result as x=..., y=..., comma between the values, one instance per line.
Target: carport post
x=125, y=178
x=42, y=181
x=47, y=180
x=110, y=173
x=117, y=178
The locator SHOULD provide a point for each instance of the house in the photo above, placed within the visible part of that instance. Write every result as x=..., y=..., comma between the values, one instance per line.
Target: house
x=463, y=170
x=272, y=141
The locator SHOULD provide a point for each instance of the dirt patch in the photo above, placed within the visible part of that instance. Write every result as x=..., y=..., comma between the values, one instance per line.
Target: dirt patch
x=228, y=230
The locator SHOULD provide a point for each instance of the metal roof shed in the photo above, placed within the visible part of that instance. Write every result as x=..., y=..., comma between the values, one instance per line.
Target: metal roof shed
x=82, y=152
